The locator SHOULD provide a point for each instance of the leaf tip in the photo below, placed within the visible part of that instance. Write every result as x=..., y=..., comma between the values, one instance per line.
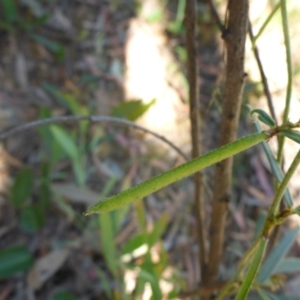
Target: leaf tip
x=263, y=117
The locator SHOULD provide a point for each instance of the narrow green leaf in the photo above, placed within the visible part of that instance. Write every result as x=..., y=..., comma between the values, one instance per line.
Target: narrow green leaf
x=276, y=170
x=74, y=104
x=252, y=271
x=176, y=26
x=141, y=216
x=263, y=117
x=147, y=239
x=158, y=229
x=140, y=286
x=14, y=260
x=131, y=110
x=117, y=216
x=79, y=172
x=149, y=276
x=65, y=141
x=277, y=255
x=292, y=134
x=259, y=224
x=107, y=240
x=288, y=265
x=110, y=184
x=22, y=187
x=66, y=208
x=134, y=243
x=163, y=263
x=120, y=215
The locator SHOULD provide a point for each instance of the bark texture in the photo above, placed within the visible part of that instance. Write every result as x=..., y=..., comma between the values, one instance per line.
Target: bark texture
x=234, y=37
x=190, y=19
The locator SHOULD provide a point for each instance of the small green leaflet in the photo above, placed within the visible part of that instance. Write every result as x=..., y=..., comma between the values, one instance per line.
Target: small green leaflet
x=292, y=134
x=263, y=117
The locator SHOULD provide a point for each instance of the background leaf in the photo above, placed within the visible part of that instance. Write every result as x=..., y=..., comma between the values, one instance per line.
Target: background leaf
x=252, y=270
x=292, y=134
x=14, y=260
x=10, y=10
x=68, y=145
x=288, y=265
x=158, y=229
x=259, y=224
x=65, y=141
x=131, y=110
x=107, y=240
x=32, y=218
x=270, y=265
x=276, y=170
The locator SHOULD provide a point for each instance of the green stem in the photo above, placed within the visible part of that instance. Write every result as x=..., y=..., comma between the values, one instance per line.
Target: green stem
x=269, y=223
x=253, y=269
x=285, y=26
x=156, y=183
x=283, y=185
x=265, y=231
x=242, y=264
x=267, y=21
x=249, y=254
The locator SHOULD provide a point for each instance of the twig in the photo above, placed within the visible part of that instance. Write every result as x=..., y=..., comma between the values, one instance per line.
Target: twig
x=195, y=128
x=266, y=22
x=215, y=15
x=236, y=23
x=262, y=74
x=285, y=26
x=93, y=119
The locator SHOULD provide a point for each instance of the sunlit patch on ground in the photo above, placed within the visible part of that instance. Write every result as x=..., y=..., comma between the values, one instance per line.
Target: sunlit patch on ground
x=151, y=73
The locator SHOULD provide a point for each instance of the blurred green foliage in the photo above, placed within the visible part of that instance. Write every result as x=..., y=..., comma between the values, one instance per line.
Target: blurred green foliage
x=18, y=19
x=14, y=260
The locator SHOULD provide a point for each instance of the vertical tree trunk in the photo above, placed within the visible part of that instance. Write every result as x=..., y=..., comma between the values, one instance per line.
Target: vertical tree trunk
x=191, y=43
x=234, y=37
